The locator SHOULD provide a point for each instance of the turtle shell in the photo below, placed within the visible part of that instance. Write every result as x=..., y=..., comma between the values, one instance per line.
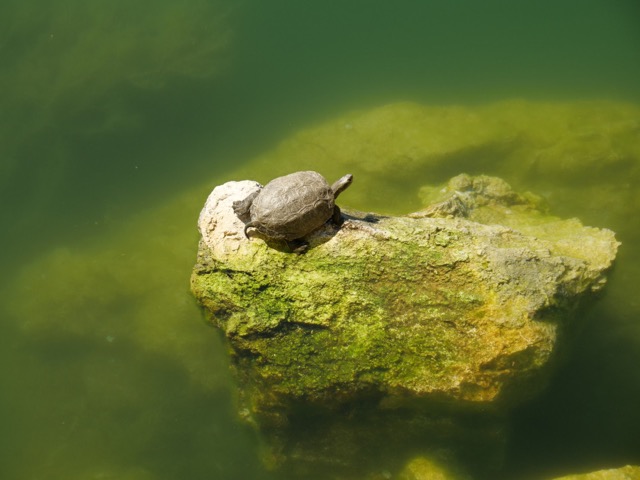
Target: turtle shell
x=293, y=206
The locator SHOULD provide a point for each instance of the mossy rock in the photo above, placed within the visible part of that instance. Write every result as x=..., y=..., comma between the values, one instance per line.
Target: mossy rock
x=442, y=313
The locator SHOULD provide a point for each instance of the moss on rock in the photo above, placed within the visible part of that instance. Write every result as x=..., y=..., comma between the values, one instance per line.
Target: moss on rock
x=434, y=310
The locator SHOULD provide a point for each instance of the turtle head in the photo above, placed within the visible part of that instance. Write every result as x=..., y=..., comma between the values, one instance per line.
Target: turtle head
x=339, y=185
x=242, y=208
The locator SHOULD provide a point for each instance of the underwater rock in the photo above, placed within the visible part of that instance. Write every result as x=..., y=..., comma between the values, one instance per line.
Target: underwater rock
x=432, y=322
x=584, y=155
x=627, y=472
x=422, y=468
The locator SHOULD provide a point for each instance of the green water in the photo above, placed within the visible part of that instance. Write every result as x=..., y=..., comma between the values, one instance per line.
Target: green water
x=116, y=121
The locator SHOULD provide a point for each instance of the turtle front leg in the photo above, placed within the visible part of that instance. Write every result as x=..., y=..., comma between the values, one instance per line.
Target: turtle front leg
x=337, y=216
x=247, y=227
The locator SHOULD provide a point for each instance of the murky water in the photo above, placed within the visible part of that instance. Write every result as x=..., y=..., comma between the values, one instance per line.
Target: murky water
x=117, y=119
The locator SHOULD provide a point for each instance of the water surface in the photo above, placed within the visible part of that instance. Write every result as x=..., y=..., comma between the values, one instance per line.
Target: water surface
x=115, y=121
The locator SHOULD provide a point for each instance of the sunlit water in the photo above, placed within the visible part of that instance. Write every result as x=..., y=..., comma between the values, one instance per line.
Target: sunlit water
x=116, y=121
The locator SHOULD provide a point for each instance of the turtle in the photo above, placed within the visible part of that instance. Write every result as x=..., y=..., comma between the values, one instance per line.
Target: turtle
x=291, y=207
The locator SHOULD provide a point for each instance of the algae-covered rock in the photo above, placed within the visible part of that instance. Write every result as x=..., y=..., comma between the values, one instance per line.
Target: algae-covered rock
x=627, y=472
x=414, y=306
x=429, y=317
x=422, y=468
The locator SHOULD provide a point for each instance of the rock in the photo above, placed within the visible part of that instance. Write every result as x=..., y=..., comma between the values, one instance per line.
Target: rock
x=417, y=323
x=422, y=468
x=627, y=472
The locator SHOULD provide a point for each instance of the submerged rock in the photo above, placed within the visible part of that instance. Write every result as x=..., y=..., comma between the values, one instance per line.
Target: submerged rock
x=422, y=468
x=419, y=327
x=627, y=472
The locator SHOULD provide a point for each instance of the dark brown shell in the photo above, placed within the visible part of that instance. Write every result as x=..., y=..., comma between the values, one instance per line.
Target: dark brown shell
x=292, y=206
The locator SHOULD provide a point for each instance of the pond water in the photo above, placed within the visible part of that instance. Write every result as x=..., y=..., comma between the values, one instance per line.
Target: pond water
x=117, y=120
